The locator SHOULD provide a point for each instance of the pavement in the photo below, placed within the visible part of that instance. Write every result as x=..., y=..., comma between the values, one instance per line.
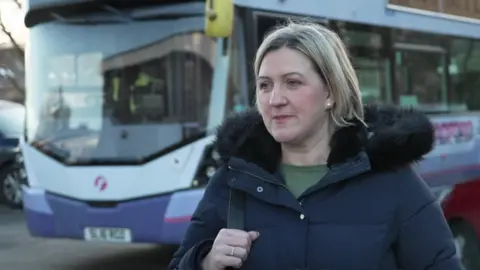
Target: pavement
x=20, y=251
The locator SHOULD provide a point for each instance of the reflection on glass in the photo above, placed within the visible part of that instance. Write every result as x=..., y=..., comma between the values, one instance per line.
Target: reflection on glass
x=465, y=74
x=89, y=69
x=235, y=87
x=419, y=80
x=372, y=79
x=114, y=96
x=62, y=71
x=366, y=47
x=55, y=115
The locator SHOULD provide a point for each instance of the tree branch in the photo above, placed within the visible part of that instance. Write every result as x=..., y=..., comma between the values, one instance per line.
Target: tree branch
x=15, y=45
x=20, y=51
x=18, y=4
x=13, y=82
x=17, y=87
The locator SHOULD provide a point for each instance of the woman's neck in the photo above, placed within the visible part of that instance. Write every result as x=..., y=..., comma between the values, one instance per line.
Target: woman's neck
x=313, y=151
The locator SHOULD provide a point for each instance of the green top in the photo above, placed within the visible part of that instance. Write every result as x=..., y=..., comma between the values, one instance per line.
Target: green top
x=300, y=178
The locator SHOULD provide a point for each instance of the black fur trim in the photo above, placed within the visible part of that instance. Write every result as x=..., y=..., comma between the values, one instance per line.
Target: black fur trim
x=395, y=137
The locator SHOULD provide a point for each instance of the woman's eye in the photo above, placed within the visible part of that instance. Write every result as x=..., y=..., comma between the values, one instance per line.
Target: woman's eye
x=264, y=86
x=293, y=83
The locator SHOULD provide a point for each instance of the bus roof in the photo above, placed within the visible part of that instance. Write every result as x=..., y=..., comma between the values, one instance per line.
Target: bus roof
x=42, y=10
x=387, y=13
x=376, y=12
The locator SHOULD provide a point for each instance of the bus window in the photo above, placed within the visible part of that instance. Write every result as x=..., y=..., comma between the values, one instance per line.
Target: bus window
x=420, y=75
x=367, y=49
x=464, y=70
x=100, y=92
x=421, y=80
x=237, y=92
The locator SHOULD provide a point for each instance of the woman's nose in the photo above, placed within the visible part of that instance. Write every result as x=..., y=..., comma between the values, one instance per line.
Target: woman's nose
x=277, y=98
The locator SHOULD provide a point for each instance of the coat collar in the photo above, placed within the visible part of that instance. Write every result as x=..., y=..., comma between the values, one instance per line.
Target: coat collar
x=395, y=137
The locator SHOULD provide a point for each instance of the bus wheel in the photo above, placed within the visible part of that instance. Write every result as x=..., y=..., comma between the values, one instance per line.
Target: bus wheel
x=10, y=187
x=467, y=245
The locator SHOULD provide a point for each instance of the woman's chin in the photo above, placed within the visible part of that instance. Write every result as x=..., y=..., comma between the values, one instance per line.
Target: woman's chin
x=283, y=136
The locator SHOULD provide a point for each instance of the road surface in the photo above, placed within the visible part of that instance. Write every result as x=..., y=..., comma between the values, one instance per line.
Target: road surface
x=19, y=251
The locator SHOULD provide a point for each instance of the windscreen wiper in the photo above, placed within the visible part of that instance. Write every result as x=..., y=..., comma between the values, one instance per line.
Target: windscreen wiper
x=118, y=18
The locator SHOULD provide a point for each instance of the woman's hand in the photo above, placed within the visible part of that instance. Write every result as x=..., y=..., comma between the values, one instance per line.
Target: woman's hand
x=230, y=249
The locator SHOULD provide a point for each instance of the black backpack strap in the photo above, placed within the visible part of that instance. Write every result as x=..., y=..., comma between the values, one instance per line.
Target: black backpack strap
x=236, y=210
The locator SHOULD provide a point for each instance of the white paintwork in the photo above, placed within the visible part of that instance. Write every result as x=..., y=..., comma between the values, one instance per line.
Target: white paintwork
x=124, y=182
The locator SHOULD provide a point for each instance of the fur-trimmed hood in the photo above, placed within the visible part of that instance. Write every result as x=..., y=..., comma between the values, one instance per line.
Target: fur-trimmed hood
x=395, y=137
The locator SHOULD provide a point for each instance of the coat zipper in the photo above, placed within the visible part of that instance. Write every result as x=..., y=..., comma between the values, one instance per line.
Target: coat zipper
x=266, y=180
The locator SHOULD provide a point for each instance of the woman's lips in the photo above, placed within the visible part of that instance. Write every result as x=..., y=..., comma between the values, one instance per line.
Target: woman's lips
x=280, y=119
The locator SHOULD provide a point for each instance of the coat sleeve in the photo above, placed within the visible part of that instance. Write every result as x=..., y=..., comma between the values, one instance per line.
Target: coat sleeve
x=207, y=220
x=424, y=238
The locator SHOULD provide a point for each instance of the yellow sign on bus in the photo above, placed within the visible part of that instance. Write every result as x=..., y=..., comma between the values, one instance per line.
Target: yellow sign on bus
x=218, y=18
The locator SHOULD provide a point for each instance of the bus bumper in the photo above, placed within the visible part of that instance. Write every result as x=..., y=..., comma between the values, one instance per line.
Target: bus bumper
x=159, y=219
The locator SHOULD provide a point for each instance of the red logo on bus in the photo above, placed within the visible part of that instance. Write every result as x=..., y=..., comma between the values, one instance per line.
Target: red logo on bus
x=101, y=183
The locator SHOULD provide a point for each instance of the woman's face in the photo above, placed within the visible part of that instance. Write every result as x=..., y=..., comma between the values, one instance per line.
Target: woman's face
x=291, y=96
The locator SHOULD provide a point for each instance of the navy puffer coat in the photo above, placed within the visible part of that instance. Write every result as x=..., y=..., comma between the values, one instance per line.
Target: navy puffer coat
x=370, y=211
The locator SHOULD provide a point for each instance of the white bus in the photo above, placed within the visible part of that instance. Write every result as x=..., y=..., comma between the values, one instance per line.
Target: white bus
x=123, y=98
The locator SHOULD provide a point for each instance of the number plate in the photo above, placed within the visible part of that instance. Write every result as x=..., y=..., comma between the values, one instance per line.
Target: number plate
x=119, y=235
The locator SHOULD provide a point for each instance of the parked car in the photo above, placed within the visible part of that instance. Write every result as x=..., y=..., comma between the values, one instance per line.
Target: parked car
x=12, y=172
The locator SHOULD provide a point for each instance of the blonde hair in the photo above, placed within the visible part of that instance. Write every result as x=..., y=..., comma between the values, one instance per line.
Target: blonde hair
x=330, y=59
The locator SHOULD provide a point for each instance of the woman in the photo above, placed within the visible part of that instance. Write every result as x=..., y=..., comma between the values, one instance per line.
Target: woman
x=328, y=182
